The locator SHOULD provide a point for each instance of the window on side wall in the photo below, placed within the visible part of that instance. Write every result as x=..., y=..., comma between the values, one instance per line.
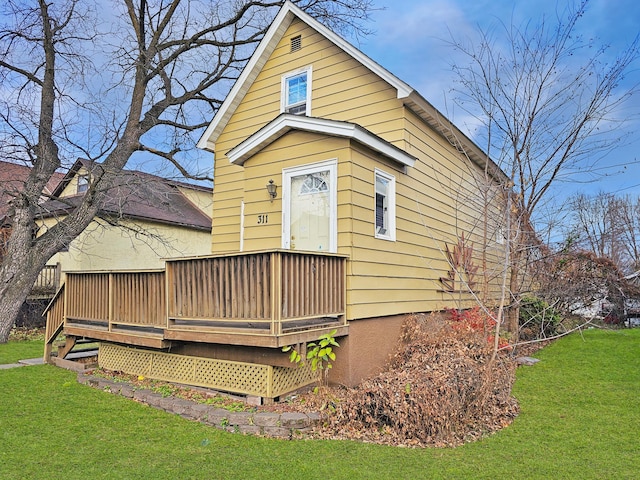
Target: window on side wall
x=296, y=92
x=385, y=205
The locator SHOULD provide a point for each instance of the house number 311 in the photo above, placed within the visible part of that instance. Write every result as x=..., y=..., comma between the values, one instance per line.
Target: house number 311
x=262, y=219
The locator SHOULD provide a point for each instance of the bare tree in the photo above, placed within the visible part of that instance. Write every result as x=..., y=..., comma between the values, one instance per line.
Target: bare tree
x=106, y=80
x=547, y=104
x=630, y=232
x=607, y=225
x=578, y=281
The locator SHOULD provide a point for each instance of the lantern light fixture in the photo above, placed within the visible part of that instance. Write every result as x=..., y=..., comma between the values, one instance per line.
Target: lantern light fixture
x=272, y=189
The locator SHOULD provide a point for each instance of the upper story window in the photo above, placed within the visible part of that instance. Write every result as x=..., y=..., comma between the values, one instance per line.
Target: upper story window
x=296, y=92
x=83, y=183
x=385, y=205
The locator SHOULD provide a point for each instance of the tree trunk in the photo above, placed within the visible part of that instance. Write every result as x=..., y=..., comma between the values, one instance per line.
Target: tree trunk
x=16, y=280
x=513, y=311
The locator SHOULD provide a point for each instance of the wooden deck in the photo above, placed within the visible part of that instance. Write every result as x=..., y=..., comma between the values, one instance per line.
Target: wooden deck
x=47, y=283
x=260, y=299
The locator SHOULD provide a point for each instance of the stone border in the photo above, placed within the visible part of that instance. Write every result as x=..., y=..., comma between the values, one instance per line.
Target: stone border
x=281, y=425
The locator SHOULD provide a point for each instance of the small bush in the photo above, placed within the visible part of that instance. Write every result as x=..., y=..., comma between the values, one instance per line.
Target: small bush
x=537, y=319
x=476, y=320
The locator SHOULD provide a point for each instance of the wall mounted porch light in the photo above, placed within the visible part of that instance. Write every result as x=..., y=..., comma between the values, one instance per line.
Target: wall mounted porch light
x=272, y=189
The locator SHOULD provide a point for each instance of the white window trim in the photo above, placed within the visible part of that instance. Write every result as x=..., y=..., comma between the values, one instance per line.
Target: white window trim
x=283, y=89
x=82, y=183
x=390, y=235
x=287, y=173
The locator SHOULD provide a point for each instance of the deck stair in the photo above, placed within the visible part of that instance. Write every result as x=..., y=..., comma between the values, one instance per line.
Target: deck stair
x=71, y=357
x=71, y=341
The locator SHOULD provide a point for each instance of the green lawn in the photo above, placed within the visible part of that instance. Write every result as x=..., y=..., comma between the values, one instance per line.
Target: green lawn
x=580, y=419
x=13, y=351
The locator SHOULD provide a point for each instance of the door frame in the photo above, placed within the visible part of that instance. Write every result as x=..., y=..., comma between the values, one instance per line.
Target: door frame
x=287, y=174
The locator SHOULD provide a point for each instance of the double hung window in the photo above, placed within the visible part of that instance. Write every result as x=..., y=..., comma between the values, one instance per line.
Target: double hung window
x=296, y=92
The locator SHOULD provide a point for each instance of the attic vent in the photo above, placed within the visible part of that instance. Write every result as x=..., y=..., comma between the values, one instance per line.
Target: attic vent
x=296, y=43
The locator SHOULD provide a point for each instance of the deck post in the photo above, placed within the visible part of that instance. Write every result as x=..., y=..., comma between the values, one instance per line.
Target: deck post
x=168, y=270
x=46, y=358
x=58, y=275
x=270, y=382
x=276, y=293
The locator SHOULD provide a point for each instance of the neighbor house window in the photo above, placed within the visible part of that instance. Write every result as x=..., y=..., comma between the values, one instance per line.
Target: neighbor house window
x=83, y=183
x=385, y=205
x=296, y=92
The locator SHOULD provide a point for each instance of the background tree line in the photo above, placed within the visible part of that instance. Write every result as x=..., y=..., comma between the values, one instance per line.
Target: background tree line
x=607, y=225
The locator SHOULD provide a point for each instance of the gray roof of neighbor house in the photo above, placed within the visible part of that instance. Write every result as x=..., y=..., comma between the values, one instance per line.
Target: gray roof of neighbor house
x=136, y=195
x=12, y=179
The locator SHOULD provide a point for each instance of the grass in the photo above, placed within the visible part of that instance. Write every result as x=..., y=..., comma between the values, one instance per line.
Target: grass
x=13, y=351
x=579, y=419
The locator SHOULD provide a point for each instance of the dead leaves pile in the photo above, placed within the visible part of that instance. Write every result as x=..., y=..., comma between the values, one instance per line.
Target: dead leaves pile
x=440, y=389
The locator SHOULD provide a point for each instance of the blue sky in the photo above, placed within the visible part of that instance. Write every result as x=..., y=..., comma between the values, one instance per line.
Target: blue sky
x=409, y=41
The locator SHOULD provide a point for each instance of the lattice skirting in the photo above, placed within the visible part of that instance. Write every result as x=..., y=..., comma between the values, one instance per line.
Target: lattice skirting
x=237, y=377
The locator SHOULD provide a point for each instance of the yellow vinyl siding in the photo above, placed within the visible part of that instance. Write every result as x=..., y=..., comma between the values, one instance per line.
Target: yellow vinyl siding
x=403, y=276
x=336, y=79
x=293, y=149
x=436, y=200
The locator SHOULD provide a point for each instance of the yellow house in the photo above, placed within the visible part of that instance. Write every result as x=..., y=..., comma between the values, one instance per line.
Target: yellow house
x=364, y=166
x=343, y=201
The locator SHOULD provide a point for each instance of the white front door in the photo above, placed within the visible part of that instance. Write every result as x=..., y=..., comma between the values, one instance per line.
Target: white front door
x=309, y=207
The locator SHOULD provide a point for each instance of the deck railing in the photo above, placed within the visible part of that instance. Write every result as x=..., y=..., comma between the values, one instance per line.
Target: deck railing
x=271, y=291
x=311, y=285
x=55, y=316
x=216, y=288
x=114, y=299
x=262, y=293
x=48, y=281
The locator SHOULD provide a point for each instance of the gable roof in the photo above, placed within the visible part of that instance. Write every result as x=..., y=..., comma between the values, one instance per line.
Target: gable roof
x=410, y=97
x=136, y=195
x=286, y=122
x=95, y=167
x=12, y=179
